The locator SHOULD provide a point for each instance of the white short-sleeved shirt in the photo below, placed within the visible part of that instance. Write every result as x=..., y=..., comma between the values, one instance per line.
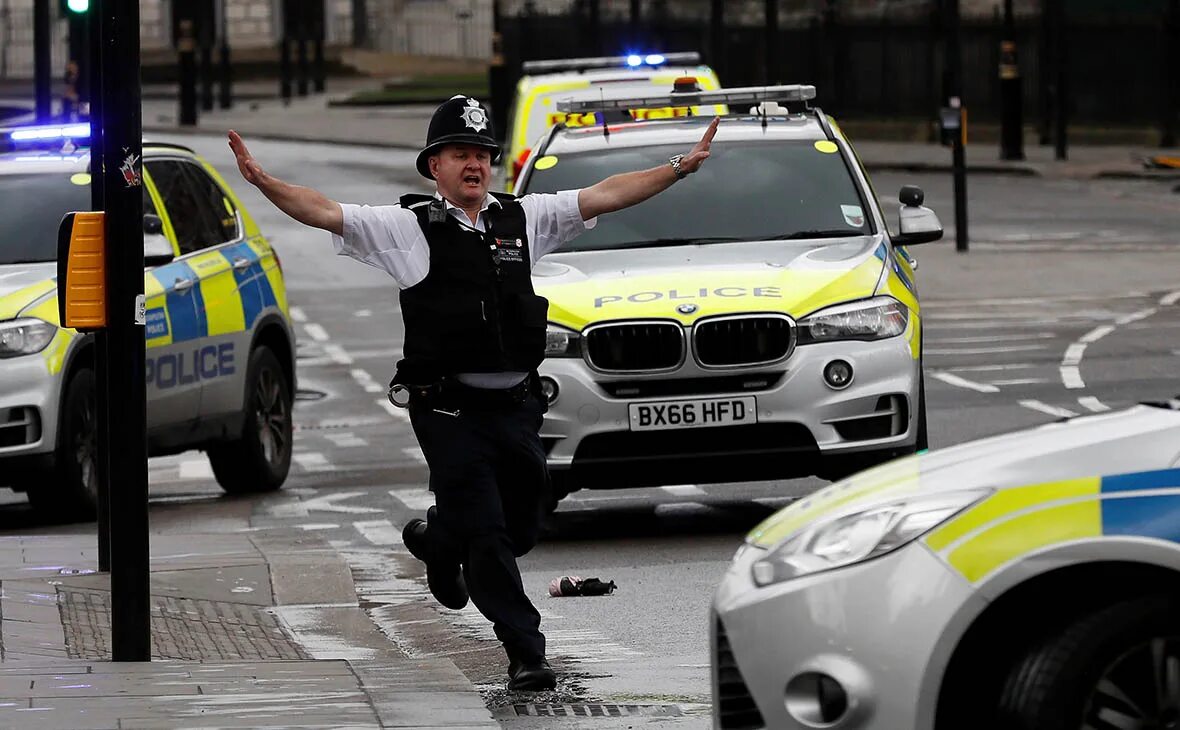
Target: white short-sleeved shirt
x=389, y=238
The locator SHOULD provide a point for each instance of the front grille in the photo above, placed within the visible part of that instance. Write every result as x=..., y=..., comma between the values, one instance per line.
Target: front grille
x=736, y=709
x=19, y=426
x=743, y=340
x=890, y=418
x=635, y=346
x=697, y=443
x=751, y=383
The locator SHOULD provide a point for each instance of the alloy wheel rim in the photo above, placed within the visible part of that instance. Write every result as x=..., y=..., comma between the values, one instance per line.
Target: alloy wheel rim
x=1140, y=690
x=86, y=447
x=270, y=413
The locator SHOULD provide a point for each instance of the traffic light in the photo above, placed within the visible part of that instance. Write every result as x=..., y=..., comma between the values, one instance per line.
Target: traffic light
x=72, y=7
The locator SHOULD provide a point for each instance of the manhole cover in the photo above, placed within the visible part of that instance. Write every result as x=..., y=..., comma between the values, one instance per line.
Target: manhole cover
x=593, y=709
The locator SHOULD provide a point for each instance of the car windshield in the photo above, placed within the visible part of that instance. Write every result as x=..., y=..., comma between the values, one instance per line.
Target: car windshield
x=746, y=191
x=33, y=205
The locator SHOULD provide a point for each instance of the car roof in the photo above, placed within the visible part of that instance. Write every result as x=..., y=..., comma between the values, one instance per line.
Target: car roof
x=686, y=130
x=605, y=75
x=18, y=162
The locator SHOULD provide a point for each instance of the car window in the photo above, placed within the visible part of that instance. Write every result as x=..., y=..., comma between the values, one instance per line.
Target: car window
x=201, y=214
x=746, y=191
x=33, y=206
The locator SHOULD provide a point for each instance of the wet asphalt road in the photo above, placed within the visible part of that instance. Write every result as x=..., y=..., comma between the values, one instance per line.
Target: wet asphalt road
x=992, y=365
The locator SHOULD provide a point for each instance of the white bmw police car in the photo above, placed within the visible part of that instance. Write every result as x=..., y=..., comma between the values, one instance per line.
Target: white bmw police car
x=755, y=321
x=220, y=366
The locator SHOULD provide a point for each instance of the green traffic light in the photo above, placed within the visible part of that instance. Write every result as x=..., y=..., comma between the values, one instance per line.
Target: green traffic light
x=78, y=6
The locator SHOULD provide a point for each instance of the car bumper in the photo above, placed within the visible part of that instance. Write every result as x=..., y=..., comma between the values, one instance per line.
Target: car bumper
x=29, y=397
x=875, y=628
x=801, y=420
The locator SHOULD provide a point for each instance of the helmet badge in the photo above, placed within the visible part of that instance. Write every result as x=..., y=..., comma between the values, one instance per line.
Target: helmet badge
x=474, y=117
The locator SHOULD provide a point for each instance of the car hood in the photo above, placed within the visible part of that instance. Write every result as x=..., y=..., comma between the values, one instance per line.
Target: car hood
x=24, y=284
x=1143, y=438
x=795, y=277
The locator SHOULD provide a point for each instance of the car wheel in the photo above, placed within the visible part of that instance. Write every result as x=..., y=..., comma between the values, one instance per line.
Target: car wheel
x=258, y=461
x=70, y=489
x=1115, y=668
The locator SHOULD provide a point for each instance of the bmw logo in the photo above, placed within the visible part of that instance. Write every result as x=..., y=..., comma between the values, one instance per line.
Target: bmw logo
x=686, y=308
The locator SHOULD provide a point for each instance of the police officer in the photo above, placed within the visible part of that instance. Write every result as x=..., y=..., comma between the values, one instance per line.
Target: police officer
x=474, y=336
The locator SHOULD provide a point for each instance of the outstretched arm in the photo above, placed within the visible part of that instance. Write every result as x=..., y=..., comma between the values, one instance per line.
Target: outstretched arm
x=306, y=205
x=624, y=190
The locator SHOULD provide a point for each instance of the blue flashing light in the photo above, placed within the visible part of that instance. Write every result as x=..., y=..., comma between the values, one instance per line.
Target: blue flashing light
x=68, y=131
x=634, y=60
x=653, y=59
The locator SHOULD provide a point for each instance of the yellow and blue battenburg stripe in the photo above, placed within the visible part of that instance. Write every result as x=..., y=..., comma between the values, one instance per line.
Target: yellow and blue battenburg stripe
x=1018, y=521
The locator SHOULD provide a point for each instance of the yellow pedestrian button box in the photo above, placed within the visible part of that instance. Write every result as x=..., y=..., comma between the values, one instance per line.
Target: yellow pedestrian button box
x=81, y=271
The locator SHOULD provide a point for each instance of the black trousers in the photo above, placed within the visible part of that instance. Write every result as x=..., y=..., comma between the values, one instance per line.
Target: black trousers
x=488, y=475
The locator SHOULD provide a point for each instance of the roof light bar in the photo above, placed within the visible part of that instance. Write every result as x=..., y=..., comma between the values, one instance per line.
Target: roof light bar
x=632, y=60
x=737, y=96
x=68, y=131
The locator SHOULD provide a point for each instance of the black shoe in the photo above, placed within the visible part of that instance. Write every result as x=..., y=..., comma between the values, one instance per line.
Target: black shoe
x=444, y=580
x=530, y=676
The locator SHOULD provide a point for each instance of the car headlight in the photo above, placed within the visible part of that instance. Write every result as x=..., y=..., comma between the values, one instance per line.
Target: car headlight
x=853, y=538
x=871, y=319
x=25, y=336
x=562, y=342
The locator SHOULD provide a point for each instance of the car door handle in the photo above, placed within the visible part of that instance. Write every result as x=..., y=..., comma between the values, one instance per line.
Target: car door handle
x=182, y=284
x=241, y=264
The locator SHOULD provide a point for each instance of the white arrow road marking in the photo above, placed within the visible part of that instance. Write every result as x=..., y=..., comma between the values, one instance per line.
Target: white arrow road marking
x=417, y=499
x=317, y=333
x=1071, y=371
x=1091, y=403
x=196, y=469
x=1036, y=405
x=327, y=503
x=379, y=532
x=958, y=382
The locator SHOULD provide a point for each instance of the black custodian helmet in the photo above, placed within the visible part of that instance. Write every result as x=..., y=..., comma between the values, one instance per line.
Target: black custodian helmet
x=458, y=120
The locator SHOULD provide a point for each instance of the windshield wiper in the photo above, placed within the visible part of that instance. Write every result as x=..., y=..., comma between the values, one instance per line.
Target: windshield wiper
x=822, y=233
x=688, y=241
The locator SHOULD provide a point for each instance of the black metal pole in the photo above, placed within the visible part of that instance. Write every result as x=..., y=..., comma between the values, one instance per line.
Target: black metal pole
x=123, y=199
x=42, y=58
x=954, y=65
x=1045, y=76
x=206, y=75
x=1011, y=92
x=638, y=38
x=1171, y=120
x=101, y=357
x=594, y=23
x=1061, y=97
x=772, y=39
x=186, y=44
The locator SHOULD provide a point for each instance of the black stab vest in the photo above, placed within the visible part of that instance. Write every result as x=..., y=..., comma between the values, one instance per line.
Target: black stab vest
x=476, y=311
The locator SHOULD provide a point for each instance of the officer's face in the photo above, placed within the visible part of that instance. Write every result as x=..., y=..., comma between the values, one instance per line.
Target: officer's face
x=463, y=173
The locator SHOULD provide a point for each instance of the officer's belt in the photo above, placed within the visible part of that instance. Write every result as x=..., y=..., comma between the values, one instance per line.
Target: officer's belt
x=450, y=392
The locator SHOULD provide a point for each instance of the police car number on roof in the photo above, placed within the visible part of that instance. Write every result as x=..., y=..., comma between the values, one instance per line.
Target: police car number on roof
x=220, y=371
x=755, y=321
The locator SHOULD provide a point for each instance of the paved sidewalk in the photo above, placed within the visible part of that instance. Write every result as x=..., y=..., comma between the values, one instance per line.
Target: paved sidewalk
x=253, y=629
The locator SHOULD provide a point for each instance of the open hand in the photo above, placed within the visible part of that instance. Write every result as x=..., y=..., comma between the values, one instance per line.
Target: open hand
x=692, y=161
x=247, y=165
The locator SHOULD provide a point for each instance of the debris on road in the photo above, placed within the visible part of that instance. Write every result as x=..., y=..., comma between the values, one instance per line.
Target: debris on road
x=572, y=585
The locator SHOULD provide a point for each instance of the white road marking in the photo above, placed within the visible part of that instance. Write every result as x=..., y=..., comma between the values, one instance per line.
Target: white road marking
x=379, y=532
x=990, y=368
x=1170, y=299
x=684, y=490
x=196, y=469
x=327, y=503
x=399, y=413
x=317, y=333
x=346, y=440
x=1036, y=405
x=416, y=498
x=312, y=461
x=363, y=313
x=1071, y=377
x=1096, y=334
x=366, y=381
x=415, y=453
x=1091, y=403
x=338, y=355
x=993, y=338
x=319, y=526
x=979, y=350
x=1071, y=371
x=1020, y=381
x=958, y=382
x=1136, y=316
x=297, y=315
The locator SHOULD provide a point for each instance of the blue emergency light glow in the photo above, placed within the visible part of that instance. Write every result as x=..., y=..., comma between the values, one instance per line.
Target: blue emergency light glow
x=69, y=131
x=634, y=60
x=653, y=59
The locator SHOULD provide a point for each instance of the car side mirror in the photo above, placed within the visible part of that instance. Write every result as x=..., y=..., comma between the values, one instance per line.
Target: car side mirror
x=916, y=223
x=153, y=225
x=157, y=249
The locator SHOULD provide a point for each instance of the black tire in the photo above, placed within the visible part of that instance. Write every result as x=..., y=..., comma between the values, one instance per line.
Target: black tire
x=1126, y=649
x=258, y=461
x=70, y=489
x=923, y=441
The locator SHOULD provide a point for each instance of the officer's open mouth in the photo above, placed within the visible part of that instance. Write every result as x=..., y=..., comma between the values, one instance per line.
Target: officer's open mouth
x=472, y=179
